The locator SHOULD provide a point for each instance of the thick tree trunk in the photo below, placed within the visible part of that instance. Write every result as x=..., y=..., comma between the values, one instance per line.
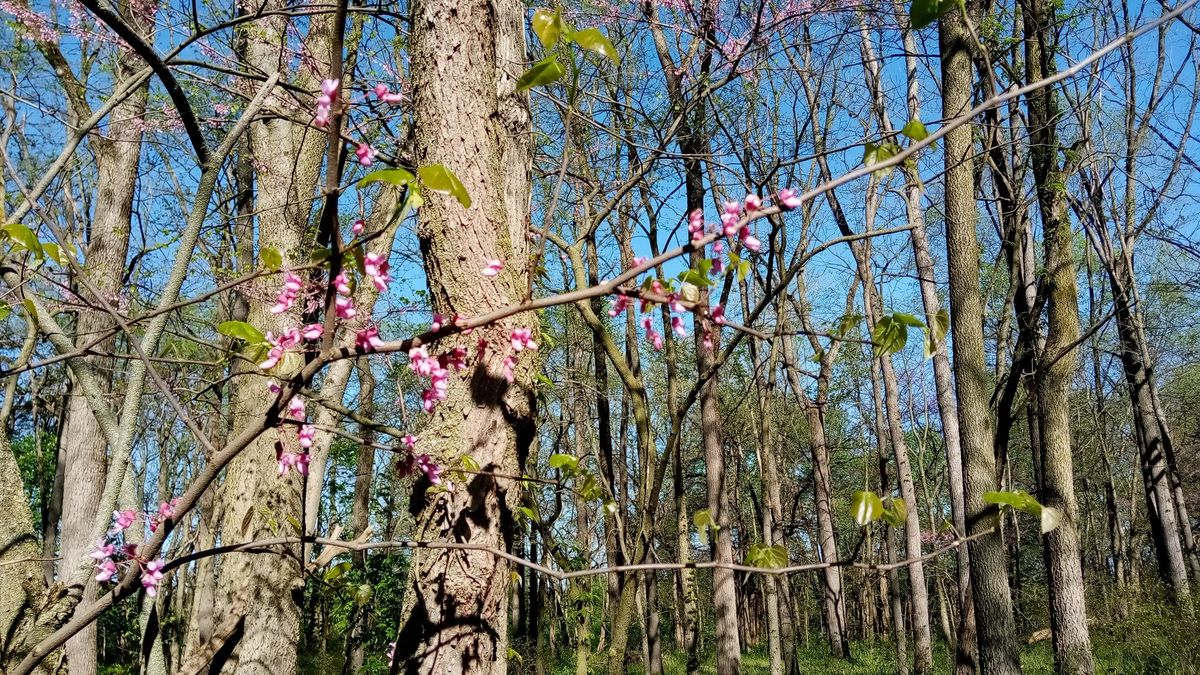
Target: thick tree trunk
x=83, y=454
x=996, y=629
x=468, y=116
x=256, y=596
x=1068, y=610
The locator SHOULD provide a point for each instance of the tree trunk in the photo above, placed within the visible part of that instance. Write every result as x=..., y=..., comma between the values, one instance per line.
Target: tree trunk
x=83, y=454
x=257, y=595
x=996, y=629
x=1068, y=610
x=468, y=116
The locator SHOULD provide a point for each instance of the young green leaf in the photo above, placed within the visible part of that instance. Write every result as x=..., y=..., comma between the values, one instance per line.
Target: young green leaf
x=337, y=570
x=566, y=462
x=240, y=330
x=915, y=130
x=390, y=176
x=866, y=507
x=542, y=73
x=23, y=238
x=547, y=26
x=271, y=258
x=924, y=12
x=895, y=513
x=593, y=40
x=438, y=178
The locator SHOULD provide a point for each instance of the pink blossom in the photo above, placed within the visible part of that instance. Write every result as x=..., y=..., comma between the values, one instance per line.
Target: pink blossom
x=166, y=511
x=753, y=203
x=789, y=199
x=288, y=294
x=718, y=266
x=376, y=267
x=383, y=94
x=296, y=408
x=306, y=435
x=103, y=550
x=122, y=520
x=619, y=305
x=457, y=358
x=108, y=570
x=329, y=91
x=696, y=224
x=718, y=314
x=312, y=331
x=521, y=339
x=367, y=339
x=678, y=327
x=344, y=307
x=431, y=470
x=365, y=154
x=493, y=268
x=748, y=240
x=410, y=441
x=152, y=576
x=358, y=227
x=729, y=218
x=273, y=387
x=510, y=362
x=638, y=261
x=294, y=461
x=651, y=334
x=674, y=304
x=342, y=283
x=438, y=322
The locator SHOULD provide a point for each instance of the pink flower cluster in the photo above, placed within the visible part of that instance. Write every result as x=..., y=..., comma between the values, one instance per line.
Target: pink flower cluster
x=292, y=285
x=376, y=267
x=289, y=339
x=492, y=268
x=414, y=462
x=329, y=93
x=520, y=340
x=365, y=154
x=297, y=410
x=385, y=95
x=166, y=511
x=109, y=555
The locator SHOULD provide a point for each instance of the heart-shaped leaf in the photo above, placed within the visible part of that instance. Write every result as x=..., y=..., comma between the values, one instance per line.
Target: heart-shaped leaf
x=440, y=179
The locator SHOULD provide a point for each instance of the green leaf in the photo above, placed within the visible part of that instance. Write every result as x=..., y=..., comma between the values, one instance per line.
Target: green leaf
x=908, y=320
x=337, y=570
x=240, y=330
x=889, y=336
x=924, y=12
x=389, y=176
x=542, y=73
x=547, y=26
x=271, y=258
x=30, y=309
x=915, y=130
x=566, y=462
x=895, y=513
x=866, y=507
x=593, y=40
x=770, y=557
x=23, y=238
x=704, y=522
x=1049, y=517
x=440, y=179
x=5, y=310
x=875, y=153
x=743, y=269
x=694, y=278
x=363, y=594
x=54, y=252
x=941, y=324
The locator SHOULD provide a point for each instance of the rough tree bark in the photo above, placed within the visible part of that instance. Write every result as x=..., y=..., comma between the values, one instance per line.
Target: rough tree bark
x=468, y=116
x=996, y=628
x=1059, y=357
